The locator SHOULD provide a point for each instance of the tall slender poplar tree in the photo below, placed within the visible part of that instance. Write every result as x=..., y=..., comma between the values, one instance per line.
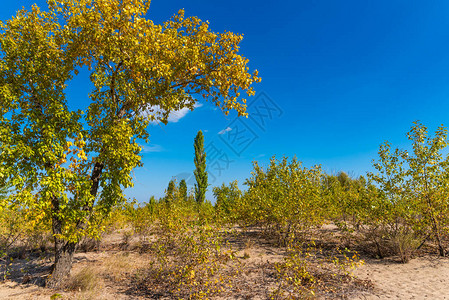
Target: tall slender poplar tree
x=200, y=170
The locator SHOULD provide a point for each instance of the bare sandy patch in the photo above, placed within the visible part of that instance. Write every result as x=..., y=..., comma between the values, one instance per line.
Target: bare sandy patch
x=421, y=278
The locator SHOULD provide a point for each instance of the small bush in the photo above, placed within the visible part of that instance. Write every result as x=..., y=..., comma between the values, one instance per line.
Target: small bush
x=308, y=272
x=189, y=259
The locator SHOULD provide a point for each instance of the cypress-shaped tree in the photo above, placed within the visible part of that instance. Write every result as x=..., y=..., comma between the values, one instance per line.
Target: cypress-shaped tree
x=151, y=205
x=170, y=192
x=183, y=190
x=200, y=168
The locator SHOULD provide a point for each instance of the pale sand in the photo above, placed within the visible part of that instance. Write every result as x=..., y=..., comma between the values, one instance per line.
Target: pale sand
x=421, y=278
x=11, y=290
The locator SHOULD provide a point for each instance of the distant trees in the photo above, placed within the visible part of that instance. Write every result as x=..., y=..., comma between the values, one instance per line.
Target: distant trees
x=170, y=193
x=183, y=190
x=180, y=192
x=200, y=168
x=226, y=198
x=177, y=192
x=284, y=198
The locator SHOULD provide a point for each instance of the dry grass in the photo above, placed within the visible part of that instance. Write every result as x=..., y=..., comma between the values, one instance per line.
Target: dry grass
x=119, y=266
x=86, y=280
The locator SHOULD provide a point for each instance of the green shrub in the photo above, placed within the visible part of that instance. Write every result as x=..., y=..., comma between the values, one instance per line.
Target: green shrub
x=285, y=198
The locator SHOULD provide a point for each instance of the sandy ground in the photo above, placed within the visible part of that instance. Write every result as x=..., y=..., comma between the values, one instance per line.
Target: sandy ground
x=422, y=278
x=13, y=290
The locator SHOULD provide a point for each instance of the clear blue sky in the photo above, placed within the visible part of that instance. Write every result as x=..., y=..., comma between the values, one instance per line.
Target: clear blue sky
x=338, y=77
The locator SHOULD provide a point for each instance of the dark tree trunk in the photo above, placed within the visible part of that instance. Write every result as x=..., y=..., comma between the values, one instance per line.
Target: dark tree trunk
x=436, y=231
x=63, y=262
x=65, y=250
x=95, y=178
x=435, y=227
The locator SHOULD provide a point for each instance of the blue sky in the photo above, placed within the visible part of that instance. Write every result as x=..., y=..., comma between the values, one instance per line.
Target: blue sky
x=338, y=77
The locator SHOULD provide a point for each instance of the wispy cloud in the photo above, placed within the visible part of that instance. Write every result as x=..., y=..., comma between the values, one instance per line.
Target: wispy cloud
x=175, y=116
x=225, y=130
x=151, y=148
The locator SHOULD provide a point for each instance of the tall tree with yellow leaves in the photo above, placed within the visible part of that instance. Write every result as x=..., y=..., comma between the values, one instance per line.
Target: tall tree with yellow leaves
x=70, y=167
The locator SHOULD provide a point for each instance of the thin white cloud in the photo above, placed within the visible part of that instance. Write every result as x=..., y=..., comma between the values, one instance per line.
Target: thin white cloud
x=177, y=115
x=152, y=148
x=225, y=130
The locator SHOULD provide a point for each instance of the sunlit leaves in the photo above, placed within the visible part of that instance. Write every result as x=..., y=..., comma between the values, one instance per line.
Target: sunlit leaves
x=181, y=57
x=286, y=196
x=415, y=184
x=62, y=162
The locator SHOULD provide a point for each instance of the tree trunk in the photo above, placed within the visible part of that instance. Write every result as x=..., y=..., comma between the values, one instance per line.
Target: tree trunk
x=436, y=231
x=63, y=262
x=64, y=250
x=435, y=227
